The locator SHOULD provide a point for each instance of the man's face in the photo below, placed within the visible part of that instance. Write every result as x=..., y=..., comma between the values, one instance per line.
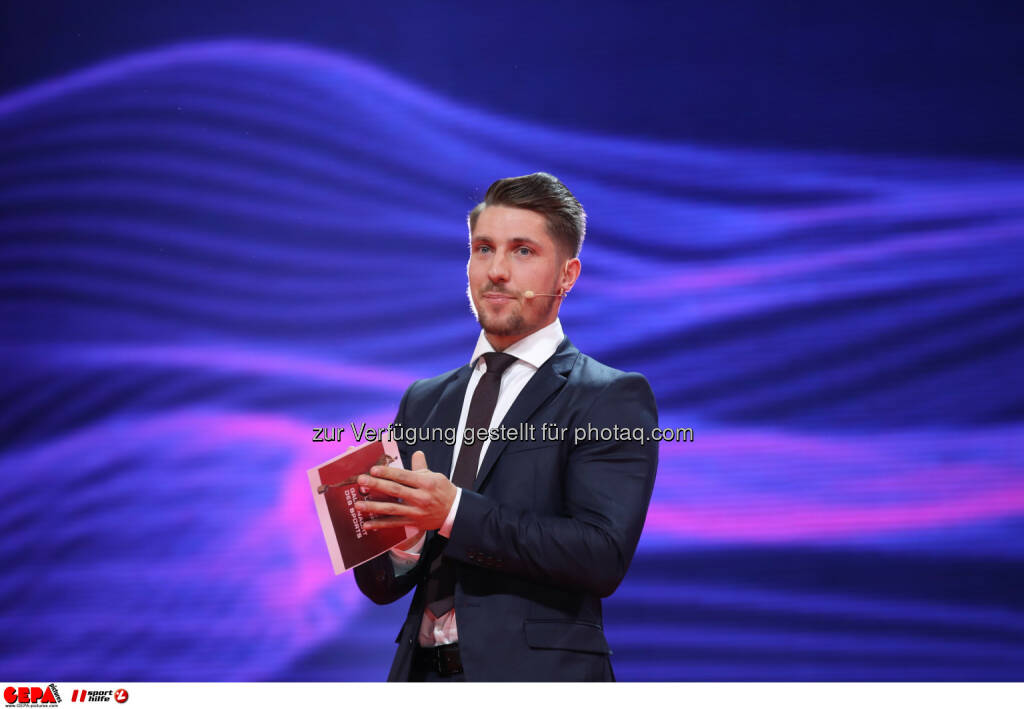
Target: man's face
x=510, y=253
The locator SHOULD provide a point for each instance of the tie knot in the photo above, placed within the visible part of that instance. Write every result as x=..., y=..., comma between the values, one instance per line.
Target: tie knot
x=498, y=362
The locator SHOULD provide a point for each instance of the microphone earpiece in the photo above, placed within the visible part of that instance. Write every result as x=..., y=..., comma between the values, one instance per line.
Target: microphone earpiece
x=530, y=295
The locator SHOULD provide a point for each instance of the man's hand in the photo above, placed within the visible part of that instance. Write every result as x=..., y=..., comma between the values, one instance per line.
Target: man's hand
x=426, y=497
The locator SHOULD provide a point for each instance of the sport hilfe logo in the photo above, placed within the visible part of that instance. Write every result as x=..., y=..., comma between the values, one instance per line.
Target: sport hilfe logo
x=31, y=695
x=100, y=695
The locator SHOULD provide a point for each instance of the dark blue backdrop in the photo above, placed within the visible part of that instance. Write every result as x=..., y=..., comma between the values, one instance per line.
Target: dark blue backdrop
x=221, y=227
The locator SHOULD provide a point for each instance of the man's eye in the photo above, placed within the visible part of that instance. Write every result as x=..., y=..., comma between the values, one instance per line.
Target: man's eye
x=482, y=248
x=524, y=251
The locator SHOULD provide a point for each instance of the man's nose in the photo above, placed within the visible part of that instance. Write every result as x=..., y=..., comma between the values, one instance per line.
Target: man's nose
x=498, y=272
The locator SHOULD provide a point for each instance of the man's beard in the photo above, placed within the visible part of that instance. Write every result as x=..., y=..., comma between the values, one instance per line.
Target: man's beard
x=502, y=325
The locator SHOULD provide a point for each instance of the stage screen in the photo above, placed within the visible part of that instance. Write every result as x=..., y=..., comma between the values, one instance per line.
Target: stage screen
x=220, y=231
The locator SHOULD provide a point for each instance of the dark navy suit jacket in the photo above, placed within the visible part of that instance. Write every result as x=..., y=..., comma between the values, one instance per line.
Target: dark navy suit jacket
x=548, y=530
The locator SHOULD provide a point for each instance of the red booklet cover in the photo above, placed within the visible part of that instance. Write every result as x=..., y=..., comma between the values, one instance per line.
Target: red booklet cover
x=335, y=492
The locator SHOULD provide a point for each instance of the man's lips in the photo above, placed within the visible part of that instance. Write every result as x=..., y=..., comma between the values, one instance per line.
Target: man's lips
x=499, y=297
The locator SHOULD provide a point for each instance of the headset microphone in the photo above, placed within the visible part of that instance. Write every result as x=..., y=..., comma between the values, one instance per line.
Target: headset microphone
x=530, y=295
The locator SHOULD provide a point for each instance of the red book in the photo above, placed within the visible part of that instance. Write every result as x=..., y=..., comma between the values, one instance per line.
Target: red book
x=335, y=492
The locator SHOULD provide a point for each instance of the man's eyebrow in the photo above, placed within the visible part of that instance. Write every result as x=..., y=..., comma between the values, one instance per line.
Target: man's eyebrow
x=515, y=240
x=525, y=240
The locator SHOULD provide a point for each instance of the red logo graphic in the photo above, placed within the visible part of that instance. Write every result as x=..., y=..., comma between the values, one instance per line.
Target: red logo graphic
x=30, y=695
x=99, y=695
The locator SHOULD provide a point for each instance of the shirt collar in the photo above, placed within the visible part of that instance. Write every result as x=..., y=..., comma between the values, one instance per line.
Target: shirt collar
x=535, y=349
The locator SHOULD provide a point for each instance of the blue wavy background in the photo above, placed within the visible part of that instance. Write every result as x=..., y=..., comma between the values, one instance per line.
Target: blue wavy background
x=207, y=250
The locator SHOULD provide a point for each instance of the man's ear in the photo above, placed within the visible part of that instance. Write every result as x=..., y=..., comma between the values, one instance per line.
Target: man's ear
x=570, y=272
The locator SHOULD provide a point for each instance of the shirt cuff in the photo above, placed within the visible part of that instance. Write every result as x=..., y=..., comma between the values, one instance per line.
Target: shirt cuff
x=404, y=561
x=446, y=528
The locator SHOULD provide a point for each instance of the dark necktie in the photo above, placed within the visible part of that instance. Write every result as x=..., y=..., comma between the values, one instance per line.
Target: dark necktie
x=441, y=583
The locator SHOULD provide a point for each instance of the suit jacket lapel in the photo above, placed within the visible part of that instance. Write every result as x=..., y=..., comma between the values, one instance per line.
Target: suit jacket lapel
x=545, y=382
x=446, y=415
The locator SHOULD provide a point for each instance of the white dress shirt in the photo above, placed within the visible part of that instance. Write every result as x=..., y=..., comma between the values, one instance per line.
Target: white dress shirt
x=532, y=351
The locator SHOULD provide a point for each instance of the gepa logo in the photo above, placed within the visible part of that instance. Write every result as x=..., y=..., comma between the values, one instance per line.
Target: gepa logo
x=31, y=695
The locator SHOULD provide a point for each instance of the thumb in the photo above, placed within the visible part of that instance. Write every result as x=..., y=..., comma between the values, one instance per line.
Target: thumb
x=419, y=461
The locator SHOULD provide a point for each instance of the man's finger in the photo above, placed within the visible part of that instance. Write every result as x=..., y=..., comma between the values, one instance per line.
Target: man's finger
x=397, y=474
x=387, y=487
x=419, y=461
x=384, y=508
x=388, y=522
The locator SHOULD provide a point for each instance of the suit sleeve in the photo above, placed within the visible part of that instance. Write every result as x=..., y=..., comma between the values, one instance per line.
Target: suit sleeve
x=608, y=486
x=376, y=578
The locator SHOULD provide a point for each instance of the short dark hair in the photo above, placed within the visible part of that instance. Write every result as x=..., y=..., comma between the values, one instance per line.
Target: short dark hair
x=546, y=195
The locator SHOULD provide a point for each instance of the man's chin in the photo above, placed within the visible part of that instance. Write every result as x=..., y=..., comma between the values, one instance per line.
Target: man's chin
x=502, y=328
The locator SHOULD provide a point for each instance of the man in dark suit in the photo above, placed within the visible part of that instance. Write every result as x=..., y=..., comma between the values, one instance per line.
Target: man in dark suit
x=527, y=529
